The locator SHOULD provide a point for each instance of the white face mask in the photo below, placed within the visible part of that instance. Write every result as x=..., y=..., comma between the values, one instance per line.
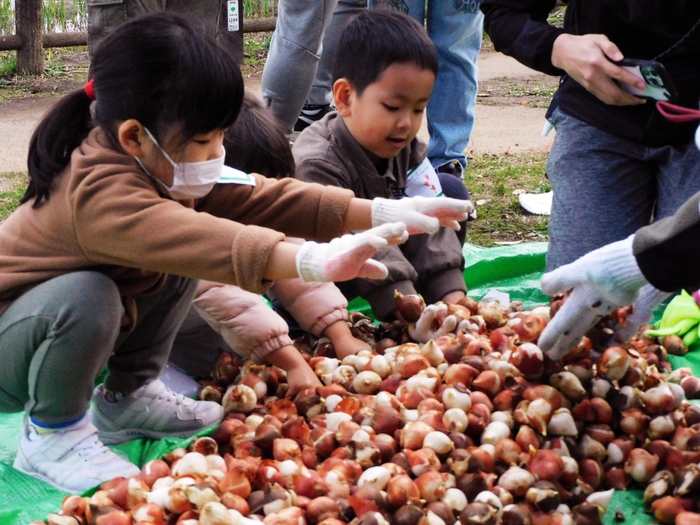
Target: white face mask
x=191, y=180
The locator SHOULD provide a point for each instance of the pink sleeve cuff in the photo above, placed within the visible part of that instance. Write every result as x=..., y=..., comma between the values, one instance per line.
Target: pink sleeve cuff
x=259, y=353
x=341, y=314
x=250, y=327
x=313, y=305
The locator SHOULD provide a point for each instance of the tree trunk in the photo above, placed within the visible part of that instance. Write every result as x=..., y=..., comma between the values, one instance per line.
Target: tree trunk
x=30, y=58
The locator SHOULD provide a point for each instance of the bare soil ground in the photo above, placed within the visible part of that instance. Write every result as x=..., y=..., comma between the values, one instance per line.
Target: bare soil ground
x=509, y=116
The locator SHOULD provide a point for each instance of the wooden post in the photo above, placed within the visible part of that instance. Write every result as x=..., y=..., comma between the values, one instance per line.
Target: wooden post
x=30, y=58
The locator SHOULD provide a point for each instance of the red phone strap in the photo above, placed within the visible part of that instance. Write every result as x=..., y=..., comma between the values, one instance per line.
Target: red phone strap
x=676, y=113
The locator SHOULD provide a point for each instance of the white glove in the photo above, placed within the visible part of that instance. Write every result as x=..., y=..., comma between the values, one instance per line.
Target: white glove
x=603, y=280
x=349, y=256
x=422, y=331
x=421, y=214
x=642, y=313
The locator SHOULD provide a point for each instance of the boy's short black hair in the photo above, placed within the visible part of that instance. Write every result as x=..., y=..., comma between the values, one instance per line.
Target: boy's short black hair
x=377, y=38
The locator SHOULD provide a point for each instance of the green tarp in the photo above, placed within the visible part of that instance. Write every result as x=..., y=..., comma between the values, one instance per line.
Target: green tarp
x=515, y=270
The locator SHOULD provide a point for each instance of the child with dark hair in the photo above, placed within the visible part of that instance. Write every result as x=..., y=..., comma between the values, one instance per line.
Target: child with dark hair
x=256, y=142
x=384, y=70
x=123, y=213
x=227, y=318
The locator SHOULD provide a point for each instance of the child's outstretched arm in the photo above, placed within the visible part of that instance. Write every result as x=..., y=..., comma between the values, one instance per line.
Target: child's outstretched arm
x=321, y=309
x=344, y=342
x=299, y=373
x=342, y=259
x=253, y=330
x=419, y=214
x=346, y=257
x=422, y=214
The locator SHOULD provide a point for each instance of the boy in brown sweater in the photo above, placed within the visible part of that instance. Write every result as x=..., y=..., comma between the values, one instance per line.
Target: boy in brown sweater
x=384, y=71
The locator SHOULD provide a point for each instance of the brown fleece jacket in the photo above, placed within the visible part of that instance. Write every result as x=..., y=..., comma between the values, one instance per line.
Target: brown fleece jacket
x=106, y=214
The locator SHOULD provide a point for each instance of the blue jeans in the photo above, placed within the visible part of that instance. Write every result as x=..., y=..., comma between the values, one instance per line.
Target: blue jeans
x=295, y=50
x=606, y=188
x=322, y=88
x=304, y=29
x=455, y=27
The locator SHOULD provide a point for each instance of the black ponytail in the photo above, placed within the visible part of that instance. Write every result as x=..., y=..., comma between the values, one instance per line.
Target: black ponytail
x=158, y=69
x=62, y=130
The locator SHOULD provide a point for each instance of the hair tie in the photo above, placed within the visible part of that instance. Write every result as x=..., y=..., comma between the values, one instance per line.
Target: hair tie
x=89, y=89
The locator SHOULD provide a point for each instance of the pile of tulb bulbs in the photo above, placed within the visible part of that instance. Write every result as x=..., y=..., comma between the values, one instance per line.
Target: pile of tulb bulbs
x=478, y=427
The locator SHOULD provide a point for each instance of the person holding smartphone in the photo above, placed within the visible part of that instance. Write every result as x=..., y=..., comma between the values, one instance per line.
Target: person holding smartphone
x=660, y=256
x=616, y=164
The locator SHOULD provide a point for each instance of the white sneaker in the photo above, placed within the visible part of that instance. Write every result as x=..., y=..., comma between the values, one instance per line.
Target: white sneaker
x=152, y=411
x=536, y=203
x=71, y=459
x=179, y=382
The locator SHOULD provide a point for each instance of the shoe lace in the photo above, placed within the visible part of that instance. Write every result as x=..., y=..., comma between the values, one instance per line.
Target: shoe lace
x=169, y=397
x=90, y=447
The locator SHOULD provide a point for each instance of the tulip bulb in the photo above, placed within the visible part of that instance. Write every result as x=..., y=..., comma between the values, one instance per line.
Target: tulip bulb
x=562, y=424
x=378, y=477
x=400, y=490
x=367, y=382
x=431, y=486
x=192, y=463
x=380, y=366
x=214, y=513
x=455, y=420
x=491, y=499
x=613, y=364
x=439, y=442
x=641, y=465
x=569, y=385
x=494, y=431
x=453, y=398
x=516, y=481
x=239, y=398
x=334, y=419
x=478, y=513
x=547, y=465
x=455, y=499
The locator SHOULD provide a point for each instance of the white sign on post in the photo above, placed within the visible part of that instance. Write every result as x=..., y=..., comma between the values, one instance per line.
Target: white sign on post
x=233, y=19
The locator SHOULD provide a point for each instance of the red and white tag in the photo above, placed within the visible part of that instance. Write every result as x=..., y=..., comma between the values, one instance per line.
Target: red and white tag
x=423, y=181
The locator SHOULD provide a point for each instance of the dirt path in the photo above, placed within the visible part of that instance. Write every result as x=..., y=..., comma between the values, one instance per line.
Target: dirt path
x=510, y=108
x=509, y=114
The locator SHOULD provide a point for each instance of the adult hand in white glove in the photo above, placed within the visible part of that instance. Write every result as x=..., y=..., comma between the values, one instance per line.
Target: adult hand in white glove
x=602, y=281
x=642, y=313
x=349, y=256
x=421, y=214
x=422, y=330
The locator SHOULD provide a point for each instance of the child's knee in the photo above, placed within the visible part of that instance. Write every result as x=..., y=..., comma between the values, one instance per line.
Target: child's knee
x=453, y=187
x=97, y=308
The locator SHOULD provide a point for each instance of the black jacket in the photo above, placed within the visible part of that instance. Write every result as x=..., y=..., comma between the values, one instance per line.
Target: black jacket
x=642, y=29
x=668, y=250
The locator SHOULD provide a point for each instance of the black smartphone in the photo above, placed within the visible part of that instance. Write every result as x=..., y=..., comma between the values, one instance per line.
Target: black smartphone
x=658, y=84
